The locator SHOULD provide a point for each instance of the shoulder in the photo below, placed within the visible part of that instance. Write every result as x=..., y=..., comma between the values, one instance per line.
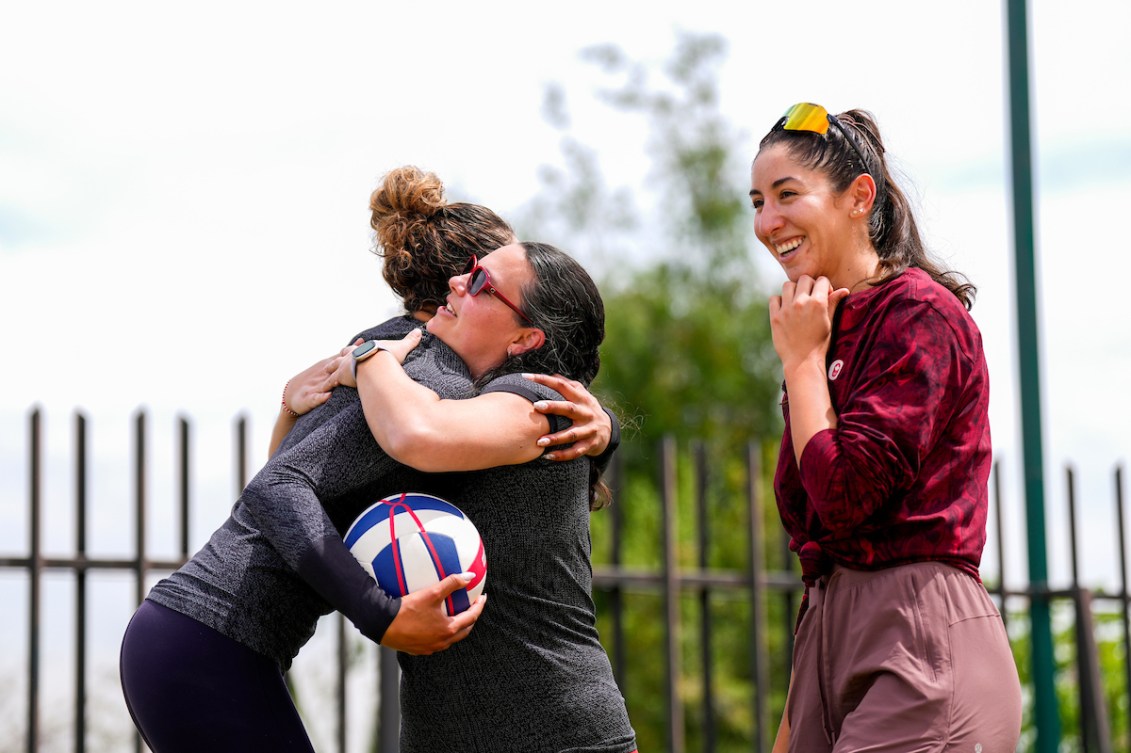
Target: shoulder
x=390, y=329
x=435, y=365
x=436, y=354
x=913, y=298
x=519, y=385
x=944, y=305
x=913, y=313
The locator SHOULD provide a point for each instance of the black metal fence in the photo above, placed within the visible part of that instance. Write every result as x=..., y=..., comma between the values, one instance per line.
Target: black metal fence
x=754, y=585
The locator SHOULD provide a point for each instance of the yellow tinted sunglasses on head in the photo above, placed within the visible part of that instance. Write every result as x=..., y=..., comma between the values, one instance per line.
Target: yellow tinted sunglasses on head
x=806, y=116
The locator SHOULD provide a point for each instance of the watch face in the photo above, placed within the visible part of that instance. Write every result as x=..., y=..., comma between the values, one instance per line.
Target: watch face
x=364, y=349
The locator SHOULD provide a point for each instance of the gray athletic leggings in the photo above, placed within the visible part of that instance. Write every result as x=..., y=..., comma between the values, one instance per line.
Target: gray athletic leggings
x=192, y=689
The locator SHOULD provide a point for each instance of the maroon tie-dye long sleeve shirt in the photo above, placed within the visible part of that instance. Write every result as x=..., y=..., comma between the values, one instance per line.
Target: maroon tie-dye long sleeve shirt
x=903, y=477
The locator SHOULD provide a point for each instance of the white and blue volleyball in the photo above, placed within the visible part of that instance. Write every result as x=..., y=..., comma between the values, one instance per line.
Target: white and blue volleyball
x=411, y=541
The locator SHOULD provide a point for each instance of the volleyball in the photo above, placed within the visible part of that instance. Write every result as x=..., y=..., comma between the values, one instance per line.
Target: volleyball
x=411, y=541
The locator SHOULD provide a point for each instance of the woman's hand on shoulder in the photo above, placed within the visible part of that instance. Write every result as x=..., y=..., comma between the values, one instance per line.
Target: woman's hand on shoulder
x=401, y=348
x=591, y=429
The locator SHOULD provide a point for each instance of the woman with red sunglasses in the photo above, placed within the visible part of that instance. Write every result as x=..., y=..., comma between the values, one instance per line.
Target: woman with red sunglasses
x=882, y=474
x=532, y=675
x=203, y=658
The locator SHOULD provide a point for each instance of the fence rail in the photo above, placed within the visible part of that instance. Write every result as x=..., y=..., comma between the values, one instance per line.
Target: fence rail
x=756, y=583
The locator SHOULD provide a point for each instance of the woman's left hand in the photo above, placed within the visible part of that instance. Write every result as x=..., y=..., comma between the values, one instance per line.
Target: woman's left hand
x=311, y=387
x=591, y=429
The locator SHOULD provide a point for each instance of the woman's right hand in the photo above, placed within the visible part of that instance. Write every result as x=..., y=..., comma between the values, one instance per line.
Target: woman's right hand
x=346, y=371
x=801, y=319
x=801, y=324
x=422, y=627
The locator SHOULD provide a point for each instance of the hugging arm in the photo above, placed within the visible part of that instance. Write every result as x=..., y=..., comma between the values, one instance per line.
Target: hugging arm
x=594, y=429
x=423, y=430
x=501, y=427
x=420, y=429
x=313, y=386
x=283, y=498
x=303, y=393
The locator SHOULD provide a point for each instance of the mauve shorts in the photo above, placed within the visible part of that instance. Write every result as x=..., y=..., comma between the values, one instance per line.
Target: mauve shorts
x=911, y=659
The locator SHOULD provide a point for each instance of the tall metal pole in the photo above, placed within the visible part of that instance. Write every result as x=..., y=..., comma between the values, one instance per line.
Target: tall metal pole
x=1045, y=710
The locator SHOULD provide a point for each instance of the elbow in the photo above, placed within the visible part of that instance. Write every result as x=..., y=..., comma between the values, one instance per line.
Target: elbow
x=415, y=446
x=255, y=494
x=844, y=505
x=258, y=485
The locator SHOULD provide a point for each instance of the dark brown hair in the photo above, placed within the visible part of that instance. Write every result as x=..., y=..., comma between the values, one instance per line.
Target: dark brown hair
x=891, y=225
x=564, y=302
x=425, y=240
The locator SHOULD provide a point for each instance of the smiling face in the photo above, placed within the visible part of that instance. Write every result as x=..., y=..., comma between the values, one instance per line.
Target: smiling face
x=481, y=329
x=808, y=227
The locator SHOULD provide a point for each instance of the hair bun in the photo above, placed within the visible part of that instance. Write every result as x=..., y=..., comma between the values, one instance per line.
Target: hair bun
x=407, y=197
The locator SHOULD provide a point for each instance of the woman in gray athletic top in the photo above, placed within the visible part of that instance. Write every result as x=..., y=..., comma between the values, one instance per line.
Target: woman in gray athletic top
x=532, y=675
x=203, y=657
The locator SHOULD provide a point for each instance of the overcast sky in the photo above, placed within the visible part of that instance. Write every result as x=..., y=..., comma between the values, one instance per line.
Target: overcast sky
x=183, y=193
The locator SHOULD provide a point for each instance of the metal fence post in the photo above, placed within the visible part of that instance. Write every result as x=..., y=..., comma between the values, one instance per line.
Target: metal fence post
x=80, y=583
x=668, y=493
x=705, y=646
x=1095, y=732
x=35, y=568
x=1124, y=597
x=388, y=709
x=758, y=621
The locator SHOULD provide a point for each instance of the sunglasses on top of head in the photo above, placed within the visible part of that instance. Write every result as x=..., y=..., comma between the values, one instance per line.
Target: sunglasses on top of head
x=479, y=280
x=806, y=116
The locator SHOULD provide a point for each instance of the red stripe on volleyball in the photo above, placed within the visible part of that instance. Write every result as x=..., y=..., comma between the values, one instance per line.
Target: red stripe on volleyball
x=397, y=566
x=436, y=561
x=478, y=567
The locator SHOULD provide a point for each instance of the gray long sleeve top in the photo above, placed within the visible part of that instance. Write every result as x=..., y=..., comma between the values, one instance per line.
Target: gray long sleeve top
x=278, y=562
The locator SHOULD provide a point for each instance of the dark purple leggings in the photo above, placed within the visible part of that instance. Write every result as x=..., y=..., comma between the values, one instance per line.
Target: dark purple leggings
x=189, y=688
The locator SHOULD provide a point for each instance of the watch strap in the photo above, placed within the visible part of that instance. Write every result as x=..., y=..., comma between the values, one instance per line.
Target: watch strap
x=358, y=358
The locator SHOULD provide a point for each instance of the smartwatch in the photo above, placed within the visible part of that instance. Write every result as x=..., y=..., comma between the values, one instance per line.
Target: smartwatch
x=363, y=351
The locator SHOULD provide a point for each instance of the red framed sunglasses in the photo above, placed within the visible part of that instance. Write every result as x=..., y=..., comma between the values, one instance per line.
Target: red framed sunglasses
x=479, y=280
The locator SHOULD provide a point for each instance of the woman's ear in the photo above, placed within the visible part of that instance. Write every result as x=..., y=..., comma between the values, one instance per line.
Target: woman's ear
x=531, y=338
x=862, y=191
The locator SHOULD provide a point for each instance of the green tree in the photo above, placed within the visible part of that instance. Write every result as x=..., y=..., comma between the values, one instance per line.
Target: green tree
x=687, y=353
x=687, y=348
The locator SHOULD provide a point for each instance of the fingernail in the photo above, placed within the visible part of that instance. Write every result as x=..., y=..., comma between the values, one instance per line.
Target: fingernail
x=543, y=442
x=467, y=577
x=550, y=456
x=540, y=405
x=527, y=376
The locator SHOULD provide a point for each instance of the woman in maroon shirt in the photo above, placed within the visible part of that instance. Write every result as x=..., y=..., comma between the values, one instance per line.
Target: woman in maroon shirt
x=882, y=475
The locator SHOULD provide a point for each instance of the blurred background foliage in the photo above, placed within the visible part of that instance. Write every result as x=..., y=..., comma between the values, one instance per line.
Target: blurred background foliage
x=687, y=354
